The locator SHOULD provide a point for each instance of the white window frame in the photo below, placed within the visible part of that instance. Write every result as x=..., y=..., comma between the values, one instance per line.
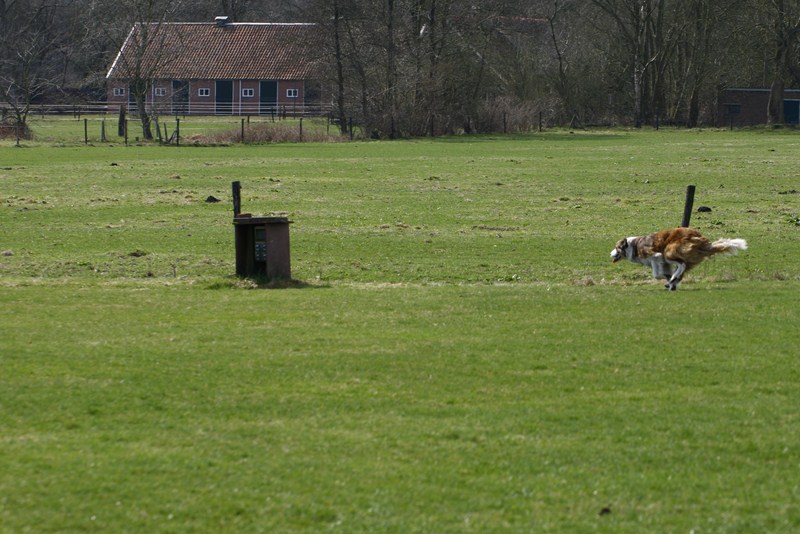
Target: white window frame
x=292, y=93
x=119, y=91
x=160, y=91
x=204, y=91
x=248, y=92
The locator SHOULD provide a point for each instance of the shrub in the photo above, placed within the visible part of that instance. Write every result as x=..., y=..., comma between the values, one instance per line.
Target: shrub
x=9, y=128
x=281, y=132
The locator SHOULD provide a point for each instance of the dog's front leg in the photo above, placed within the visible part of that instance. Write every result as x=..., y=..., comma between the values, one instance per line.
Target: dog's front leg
x=661, y=269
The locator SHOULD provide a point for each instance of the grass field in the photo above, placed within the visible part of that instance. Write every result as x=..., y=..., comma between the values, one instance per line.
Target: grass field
x=459, y=354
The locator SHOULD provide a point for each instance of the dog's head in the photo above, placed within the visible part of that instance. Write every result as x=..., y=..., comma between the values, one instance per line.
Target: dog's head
x=620, y=251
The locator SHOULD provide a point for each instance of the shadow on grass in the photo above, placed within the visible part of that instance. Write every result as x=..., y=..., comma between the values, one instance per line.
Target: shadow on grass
x=263, y=283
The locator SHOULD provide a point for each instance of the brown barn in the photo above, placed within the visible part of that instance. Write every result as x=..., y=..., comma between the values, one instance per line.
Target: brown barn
x=218, y=68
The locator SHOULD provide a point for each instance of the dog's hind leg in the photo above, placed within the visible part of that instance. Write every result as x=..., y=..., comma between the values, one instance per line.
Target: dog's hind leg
x=677, y=276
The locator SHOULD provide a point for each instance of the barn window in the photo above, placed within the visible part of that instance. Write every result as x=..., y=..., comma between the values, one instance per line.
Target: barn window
x=292, y=93
x=161, y=91
x=204, y=91
x=119, y=91
x=248, y=93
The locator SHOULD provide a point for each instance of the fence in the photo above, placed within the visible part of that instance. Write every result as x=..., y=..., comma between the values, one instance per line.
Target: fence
x=107, y=128
x=178, y=109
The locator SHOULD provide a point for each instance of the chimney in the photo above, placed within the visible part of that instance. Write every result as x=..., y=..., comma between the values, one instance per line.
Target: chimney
x=222, y=21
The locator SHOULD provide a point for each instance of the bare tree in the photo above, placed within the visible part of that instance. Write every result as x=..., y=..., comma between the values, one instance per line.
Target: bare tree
x=647, y=33
x=783, y=30
x=336, y=34
x=144, y=51
x=29, y=40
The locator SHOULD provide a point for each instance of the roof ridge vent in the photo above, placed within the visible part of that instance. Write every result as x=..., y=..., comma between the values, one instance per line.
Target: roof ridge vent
x=222, y=21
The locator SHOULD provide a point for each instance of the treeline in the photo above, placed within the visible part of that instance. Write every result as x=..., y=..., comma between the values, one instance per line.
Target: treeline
x=427, y=67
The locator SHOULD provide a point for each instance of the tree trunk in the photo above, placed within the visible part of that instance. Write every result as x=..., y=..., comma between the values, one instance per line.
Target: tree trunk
x=783, y=36
x=340, y=101
x=144, y=117
x=775, y=106
x=391, y=67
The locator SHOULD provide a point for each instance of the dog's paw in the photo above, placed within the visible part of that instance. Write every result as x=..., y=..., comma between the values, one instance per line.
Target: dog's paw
x=671, y=286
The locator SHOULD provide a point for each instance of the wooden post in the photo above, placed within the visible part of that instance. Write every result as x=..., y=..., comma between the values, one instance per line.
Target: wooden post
x=301, y=129
x=85, y=131
x=687, y=207
x=177, y=132
x=236, y=188
x=121, y=122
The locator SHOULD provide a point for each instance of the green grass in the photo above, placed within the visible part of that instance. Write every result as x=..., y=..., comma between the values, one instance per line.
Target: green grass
x=461, y=355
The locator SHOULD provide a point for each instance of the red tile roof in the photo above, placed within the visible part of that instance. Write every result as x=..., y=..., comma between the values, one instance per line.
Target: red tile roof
x=239, y=51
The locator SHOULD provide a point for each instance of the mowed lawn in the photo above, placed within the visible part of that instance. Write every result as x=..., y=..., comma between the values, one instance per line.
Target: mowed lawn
x=457, y=354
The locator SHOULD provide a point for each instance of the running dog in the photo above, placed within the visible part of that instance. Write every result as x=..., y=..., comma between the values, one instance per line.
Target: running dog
x=673, y=253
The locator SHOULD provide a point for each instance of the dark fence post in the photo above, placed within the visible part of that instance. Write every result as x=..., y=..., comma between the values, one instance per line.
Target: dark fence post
x=236, y=188
x=121, y=122
x=687, y=207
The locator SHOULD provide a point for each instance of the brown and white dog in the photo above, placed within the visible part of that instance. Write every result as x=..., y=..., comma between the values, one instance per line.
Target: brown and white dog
x=673, y=253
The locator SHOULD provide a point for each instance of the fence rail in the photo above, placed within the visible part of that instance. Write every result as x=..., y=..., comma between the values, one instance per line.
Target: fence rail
x=180, y=110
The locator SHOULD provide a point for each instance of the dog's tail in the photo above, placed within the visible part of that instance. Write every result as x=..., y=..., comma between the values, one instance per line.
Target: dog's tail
x=728, y=247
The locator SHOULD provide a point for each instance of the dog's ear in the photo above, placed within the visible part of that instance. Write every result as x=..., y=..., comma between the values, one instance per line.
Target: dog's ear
x=622, y=244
